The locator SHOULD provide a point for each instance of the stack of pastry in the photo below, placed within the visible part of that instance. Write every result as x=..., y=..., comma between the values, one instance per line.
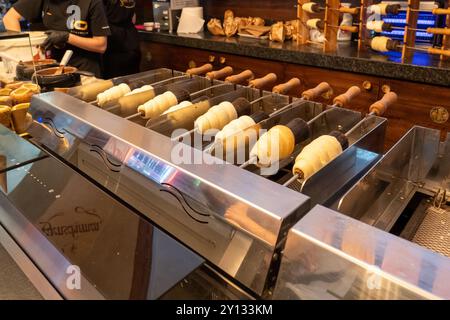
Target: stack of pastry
x=14, y=104
x=232, y=24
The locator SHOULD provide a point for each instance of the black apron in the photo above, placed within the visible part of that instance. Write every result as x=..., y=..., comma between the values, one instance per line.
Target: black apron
x=123, y=54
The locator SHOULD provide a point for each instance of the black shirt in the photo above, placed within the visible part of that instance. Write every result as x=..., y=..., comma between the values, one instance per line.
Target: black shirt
x=124, y=36
x=84, y=18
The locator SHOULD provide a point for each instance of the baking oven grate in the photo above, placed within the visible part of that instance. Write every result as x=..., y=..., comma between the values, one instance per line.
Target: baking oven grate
x=434, y=232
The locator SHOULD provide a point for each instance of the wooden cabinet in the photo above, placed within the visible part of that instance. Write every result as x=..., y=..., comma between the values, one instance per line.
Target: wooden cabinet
x=418, y=104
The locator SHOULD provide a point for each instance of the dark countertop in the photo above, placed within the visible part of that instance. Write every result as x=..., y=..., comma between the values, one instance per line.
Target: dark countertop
x=423, y=67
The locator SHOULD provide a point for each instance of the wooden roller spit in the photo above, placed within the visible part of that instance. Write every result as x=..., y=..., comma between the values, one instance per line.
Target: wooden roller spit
x=442, y=52
x=263, y=82
x=323, y=89
x=199, y=71
x=352, y=29
x=443, y=31
x=380, y=107
x=441, y=11
x=344, y=99
x=220, y=74
x=240, y=78
x=349, y=10
x=288, y=86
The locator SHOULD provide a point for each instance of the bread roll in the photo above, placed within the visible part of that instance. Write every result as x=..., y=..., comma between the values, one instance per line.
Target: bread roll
x=112, y=94
x=217, y=117
x=275, y=145
x=155, y=107
x=316, y=155
x=5, y=116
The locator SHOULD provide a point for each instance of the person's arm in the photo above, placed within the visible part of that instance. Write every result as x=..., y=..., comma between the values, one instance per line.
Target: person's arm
x=11, y=20
x=94, y=44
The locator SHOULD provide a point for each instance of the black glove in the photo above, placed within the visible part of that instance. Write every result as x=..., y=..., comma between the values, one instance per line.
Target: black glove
x=56, y=39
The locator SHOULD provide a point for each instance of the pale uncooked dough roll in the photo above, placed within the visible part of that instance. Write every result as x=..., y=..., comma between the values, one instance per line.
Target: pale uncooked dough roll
x=179, y=106
x=112, y=94
x=155, y=107
x=276, y=144
x=376, y=26
x=309, y=7
x=379, y=44
x=217, y=117
x=234, y=127
x=139, y=90
x=316, y=155
x=312, y=23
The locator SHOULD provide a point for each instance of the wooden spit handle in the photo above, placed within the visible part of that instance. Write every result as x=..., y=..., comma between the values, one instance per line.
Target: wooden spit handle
x=349, y=10
x=380, y=107
x=200, y=70
x=263, y=82
x=241, y=77
x=440, y=11
x=443, y=52
x=344, y=99
x=288, y=86
x=321, y=90
x=352, y=29
x=444, y=31
x=220, y=74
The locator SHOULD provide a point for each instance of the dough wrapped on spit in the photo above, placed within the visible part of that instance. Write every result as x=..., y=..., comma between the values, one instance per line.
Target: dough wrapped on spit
x=222, y=114
x=179, y=106
x=90, y=91
x=239, y=125
x=236, y=137
x=112, y=94
x=279, y=142
x=319, y=153
x=156, y=107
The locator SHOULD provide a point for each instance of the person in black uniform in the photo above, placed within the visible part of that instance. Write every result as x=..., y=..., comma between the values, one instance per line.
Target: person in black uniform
x=123, y=54
x=77, y=25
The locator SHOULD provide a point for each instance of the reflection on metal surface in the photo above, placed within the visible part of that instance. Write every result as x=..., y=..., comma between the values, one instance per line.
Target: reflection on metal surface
x=331, y=256
x=119, y=254
x=146, y=165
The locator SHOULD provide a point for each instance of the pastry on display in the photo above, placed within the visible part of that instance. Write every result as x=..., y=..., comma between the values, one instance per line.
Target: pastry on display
x=215, y=27
x=20, y=118
x=278, y=32
x=5, y=116
x=158, y=105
